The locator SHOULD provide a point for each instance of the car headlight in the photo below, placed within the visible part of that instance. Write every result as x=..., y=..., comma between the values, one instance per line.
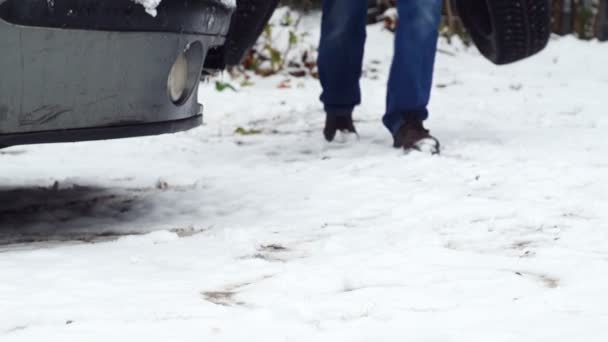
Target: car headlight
x=185, y=73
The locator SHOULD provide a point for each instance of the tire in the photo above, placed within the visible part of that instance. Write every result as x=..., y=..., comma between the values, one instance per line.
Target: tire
x=248, y=23
x=506, y=31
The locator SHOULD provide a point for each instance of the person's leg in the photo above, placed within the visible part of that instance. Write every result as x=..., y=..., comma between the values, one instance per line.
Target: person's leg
x=411, y=77
x=341, y=54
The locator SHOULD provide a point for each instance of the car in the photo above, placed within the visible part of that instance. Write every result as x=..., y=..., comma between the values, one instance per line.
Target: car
x=78, y=70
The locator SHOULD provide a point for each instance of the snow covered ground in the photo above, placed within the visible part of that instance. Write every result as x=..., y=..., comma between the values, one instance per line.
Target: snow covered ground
x=214, y=236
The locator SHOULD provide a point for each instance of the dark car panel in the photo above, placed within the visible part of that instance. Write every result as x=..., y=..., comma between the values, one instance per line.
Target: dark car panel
x=76, y=70
x=204, y=17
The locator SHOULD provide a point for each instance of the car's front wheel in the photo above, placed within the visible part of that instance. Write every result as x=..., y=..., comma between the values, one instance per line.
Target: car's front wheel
x=248, y=23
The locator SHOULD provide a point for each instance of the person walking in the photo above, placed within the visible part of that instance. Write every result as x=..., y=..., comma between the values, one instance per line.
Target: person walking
x=343, y=35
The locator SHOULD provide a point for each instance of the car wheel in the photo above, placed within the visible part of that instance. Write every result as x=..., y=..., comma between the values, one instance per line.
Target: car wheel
x=248, y=23
x=506, y=31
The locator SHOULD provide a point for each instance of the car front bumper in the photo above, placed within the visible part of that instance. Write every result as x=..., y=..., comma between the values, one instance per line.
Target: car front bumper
x=76, y=70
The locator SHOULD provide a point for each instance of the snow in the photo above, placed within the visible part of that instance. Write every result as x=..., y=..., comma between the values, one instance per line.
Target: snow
x=152, y=5
x=213, y=236
x=149, y=5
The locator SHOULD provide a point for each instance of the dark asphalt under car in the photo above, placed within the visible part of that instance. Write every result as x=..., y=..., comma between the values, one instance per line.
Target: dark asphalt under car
x=76, y=70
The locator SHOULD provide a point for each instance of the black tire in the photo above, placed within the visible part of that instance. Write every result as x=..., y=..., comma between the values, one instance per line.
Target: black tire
x=248, y=23
x=506, y=31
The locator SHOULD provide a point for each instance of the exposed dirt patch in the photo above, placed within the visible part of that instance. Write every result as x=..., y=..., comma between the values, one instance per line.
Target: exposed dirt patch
x=270, y=253
x=12, y=152
x=188, y=232
x=227, y=296
x=224, y=298
x=547, y=280
x=521, y=244
x=266, y=257
x=273, y=248
x=15, y=329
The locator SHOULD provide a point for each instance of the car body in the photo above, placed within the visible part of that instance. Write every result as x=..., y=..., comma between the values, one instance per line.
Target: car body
x=75, y=70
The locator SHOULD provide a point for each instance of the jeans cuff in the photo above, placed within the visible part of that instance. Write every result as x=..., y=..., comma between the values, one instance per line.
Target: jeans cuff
x=339, y=110
x=394, y=121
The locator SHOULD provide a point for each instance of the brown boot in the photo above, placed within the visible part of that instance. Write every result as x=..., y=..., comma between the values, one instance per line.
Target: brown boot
x=335, y=123
x=413, y=136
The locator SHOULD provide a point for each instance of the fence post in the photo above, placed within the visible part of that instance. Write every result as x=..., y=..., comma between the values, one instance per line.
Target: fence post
x=563, y=18
x=602, y=21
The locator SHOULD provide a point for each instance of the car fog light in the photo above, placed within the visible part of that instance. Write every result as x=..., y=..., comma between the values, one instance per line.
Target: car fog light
x=185, y=73
x=178, y=78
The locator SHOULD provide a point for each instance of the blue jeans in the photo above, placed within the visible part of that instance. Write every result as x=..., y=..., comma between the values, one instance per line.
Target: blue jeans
x=341, y=57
